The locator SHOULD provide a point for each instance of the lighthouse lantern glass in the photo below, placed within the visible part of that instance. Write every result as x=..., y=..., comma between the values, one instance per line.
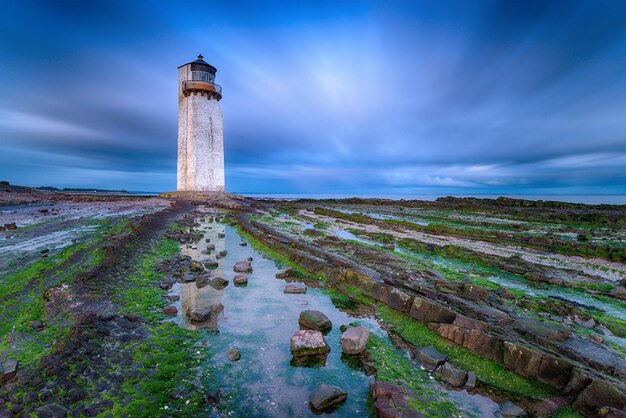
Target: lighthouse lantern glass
x=202, y=76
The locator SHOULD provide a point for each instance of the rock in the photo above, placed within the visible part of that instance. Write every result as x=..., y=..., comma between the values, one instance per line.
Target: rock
x=452, y=374
x=325, y=396
x=218, y=283
x=509, y=409
x=210, y=247
x=354, y=340
x=390, y=400
x=244, y=266
x=240, y=279
x=10, y=227
x=221, y=254
x=590, y=323
x=315, y=320
x=599, y=394
x=170, y=310
x=221, y=235
x=202, y=281
x=243, y=244
x=292, y=288
x=431, y=358
x=604, y=330
x=308, y=342
x=211, y=264
x=284, y=273
x=233, y=354
x=473, y=292
x=196, y=266
x=199, y=315
x=36, y=325
x=8, y=370
x=619, y=292
x=470, y=384
x=188, y=278
x=548, y=407
x=505, y=293
x=424, y=310
x=398, y=300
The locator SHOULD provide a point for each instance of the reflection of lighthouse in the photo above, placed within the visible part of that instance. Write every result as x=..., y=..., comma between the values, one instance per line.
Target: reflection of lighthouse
x=207, y=297
x=200, y=136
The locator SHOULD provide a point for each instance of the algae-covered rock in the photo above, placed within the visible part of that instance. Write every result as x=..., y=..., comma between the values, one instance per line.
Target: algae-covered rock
x=308, y=343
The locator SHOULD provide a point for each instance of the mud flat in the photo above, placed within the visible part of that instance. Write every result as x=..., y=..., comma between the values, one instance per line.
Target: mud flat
x=180, y=306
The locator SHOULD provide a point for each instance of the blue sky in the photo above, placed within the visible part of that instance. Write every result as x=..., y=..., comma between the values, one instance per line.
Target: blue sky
x=321, y=97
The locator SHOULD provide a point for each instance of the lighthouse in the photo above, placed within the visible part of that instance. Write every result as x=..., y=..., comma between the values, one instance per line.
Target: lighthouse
x=200, y=135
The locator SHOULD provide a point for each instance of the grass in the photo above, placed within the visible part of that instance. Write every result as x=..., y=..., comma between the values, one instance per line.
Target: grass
x=488, y=372
x=23, y=302
x=138, y=294
x=166, y=359
x=394, y=367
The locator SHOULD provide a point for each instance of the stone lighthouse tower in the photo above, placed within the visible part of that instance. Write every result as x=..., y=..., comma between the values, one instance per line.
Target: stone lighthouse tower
x=200, y=135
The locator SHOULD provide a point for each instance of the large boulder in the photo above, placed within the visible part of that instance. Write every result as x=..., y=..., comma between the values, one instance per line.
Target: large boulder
x=325, y=396
x=284, y=273
x=522, y=360
x=354, y=340
x=308, y=343
x=431, y=358
x=452, y=374
x=315, y=320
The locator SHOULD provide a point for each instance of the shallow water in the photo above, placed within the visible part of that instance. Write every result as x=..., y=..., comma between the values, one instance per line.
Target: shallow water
x=259, y=320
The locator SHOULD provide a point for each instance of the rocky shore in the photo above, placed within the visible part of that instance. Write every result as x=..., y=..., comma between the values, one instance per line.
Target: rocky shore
x=106, y=301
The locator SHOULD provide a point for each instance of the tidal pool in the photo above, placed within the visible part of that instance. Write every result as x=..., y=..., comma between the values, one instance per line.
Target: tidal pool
x=258, y=320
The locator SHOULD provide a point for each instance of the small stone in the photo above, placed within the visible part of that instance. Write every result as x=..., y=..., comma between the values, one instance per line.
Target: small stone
x=221, y=235
x=218, y=283
x=431, y=358
x=452, y=374
x=354, y=340
x=36, y=325
x=470, y=384
x=240, y=279
x=243, y=266
x=8, y=370
x=199, y=315
x=221, y=254
x=233, y=354
x=202, y=281
x=325, y=396
x=196, y=266
x=284, y=273
x=10, y=227
x=170, y=310
x=211, y=264
x=314, y=320
x=243, y=244
x=307, y=343
x=509, y=409
x=292, y=288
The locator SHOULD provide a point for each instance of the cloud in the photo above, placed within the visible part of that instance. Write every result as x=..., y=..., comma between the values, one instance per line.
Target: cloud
x=501, y=96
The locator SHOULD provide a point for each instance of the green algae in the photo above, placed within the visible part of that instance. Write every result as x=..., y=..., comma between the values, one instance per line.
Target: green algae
x=488, y=372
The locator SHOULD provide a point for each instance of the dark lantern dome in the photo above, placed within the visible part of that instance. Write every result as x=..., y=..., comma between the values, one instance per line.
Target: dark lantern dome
x=201, y=65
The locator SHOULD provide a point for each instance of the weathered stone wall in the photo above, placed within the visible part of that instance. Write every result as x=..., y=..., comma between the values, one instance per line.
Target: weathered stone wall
x=200, y=140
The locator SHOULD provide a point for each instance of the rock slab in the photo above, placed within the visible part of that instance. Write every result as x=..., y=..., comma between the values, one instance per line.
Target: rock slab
x=325, y=396
x=295, y=289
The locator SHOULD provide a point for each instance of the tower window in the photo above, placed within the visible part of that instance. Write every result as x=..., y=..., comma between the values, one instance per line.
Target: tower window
x=202, y=76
